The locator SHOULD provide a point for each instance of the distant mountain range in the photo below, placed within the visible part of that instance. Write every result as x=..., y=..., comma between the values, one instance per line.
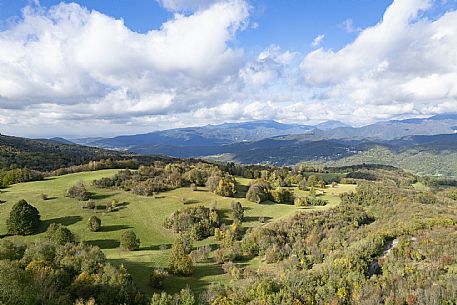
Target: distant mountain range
x=210, y=135
x=430, y=140
x=210, y=139
x=439, y=124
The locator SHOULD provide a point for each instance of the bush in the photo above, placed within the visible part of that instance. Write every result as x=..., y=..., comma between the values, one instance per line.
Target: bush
x=79, y=192
x=226, y=187
x=59, y=234
x=238, y=211
x=313, y=181
x=303, y=185
x=258, y=192
x=157, y=277
x=281, y=195
x=44, y=196
x=212, y=183
x=180, y=261
x=129, y=241
x=94, y=224
x=201, y=254
x=10, y=251
x=103, y=183
x=24, y=219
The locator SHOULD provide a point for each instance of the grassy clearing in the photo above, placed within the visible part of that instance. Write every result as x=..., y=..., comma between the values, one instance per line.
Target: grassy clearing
x=419, y=186
x=142, y=214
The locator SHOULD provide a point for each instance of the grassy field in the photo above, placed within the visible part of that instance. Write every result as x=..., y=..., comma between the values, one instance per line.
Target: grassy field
x=144, y=215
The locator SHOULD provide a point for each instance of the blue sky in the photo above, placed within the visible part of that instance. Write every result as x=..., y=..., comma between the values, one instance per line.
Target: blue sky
x=292, y=24
x=125, y=66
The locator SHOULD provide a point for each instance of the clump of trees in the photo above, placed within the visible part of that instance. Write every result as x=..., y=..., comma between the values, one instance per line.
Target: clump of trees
x=94, y=224
x=199, y=222
x=223, y=186
x=50, y=273
x=78, y=191
x=24, y=219
x=184, y=297
x=18, y=175
x=261, y=190
x=309, y=201
x=160, y=176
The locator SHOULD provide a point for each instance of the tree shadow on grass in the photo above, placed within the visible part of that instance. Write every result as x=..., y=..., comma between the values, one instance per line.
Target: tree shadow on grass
x=50, y=198
x=197, y=282
x=190, y=201
x=96, y=196
x=66, y=221
x=156, y=247
x=104, y=243
x=122, y=204
x=112, y=228
x=241, y=191
x=256, y=218
x=224, y=216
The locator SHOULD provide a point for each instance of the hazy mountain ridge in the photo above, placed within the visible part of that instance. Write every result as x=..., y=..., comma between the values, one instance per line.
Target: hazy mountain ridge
x=401, y=142
x=203, y=136
x=394, y=129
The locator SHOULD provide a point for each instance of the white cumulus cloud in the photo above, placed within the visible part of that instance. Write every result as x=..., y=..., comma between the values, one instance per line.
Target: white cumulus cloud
x=403, y=65
x=68, y=56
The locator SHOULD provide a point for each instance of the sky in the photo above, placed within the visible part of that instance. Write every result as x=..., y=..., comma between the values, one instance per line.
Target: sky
x=104, y=68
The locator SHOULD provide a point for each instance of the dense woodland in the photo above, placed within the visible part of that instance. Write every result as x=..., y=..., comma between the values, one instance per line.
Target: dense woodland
x=386, y=243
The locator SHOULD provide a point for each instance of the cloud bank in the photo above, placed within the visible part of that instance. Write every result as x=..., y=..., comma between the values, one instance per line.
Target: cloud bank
x=70, y=71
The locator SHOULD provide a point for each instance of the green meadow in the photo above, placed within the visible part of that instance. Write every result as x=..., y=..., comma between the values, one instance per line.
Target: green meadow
x=144, y=215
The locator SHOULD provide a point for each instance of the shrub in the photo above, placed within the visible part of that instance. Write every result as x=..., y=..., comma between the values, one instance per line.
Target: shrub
x=44, y=196
x=89, y=204
x=180, y=261
x=59, y=234
x=24, y=219
x=10, y=251
x=258, y=191
x=129, y=241
x=231, y=269
x=303, y=185
x=313, y=181
x=238, y=211
x=281, y=195
x=212, y=183
x=157, y=277
x=226, y=187
x=94, y=224
x=79, y=192
x=201, y=254
x=103, y=183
